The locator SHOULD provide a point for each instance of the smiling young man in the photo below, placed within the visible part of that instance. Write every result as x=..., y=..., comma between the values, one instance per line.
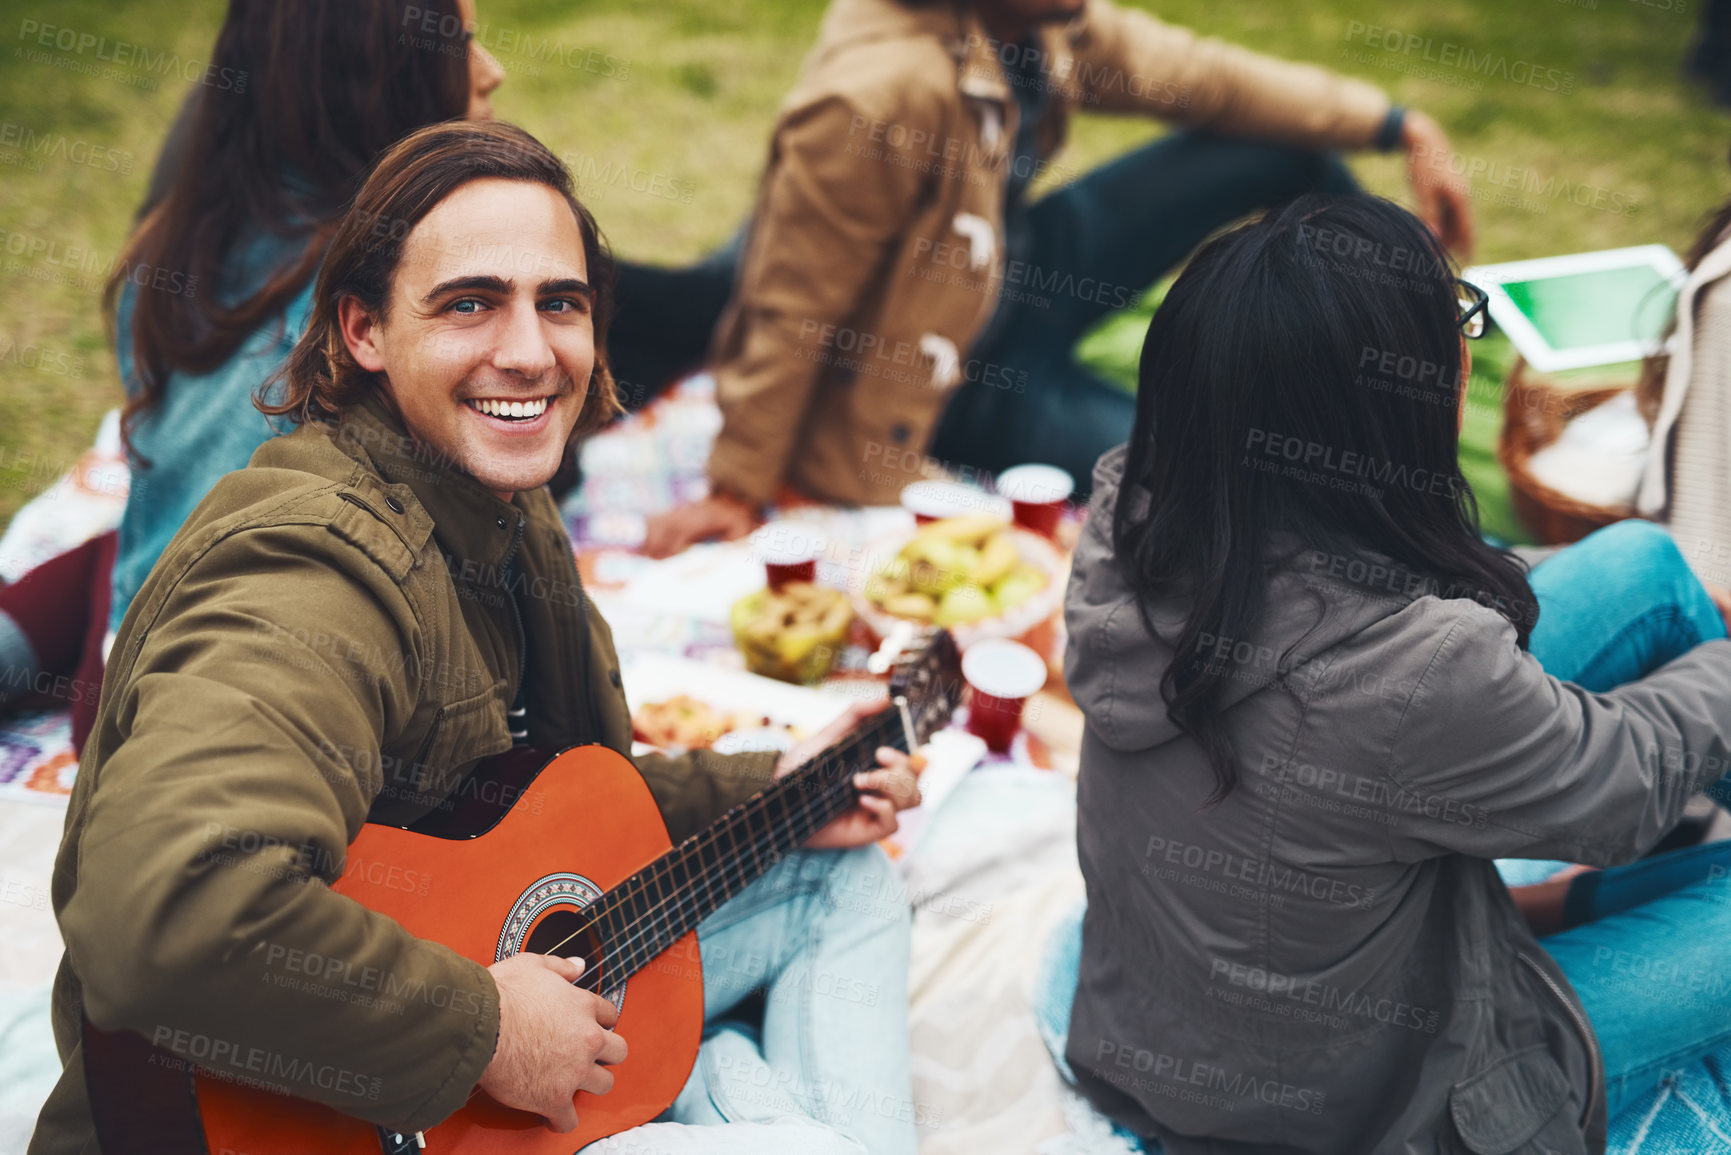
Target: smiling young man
x=340, y=631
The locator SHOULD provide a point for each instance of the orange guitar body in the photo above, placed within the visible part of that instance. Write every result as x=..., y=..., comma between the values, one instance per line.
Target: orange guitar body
x=587, y=816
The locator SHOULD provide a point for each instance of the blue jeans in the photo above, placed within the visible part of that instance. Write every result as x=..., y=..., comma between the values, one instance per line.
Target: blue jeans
x=1647, y=955
x=824, y=935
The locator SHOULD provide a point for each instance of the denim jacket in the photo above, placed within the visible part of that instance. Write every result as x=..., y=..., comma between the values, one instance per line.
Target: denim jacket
x=205, y=425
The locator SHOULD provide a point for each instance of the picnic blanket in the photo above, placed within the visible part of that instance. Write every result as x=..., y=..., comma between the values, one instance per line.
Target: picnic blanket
x=990, y=873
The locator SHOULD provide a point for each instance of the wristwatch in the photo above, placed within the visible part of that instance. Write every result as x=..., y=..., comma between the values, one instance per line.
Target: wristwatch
x=1388, y=136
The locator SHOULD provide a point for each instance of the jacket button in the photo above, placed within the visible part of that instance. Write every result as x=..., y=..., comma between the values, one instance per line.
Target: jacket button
x=501, y=523
x=613, y=676
x=394, y=505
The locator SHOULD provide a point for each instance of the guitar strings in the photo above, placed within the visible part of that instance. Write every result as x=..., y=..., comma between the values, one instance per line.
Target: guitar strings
x=636, y=923
x=641, y=947
x=643, y=925
x=653, y=918
x=734, y=870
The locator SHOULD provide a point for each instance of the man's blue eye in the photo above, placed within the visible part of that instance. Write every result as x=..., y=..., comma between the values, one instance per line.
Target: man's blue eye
x=466, y=306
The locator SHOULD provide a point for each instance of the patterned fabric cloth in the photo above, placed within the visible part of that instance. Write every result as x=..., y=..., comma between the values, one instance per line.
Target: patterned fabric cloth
x=36, y=760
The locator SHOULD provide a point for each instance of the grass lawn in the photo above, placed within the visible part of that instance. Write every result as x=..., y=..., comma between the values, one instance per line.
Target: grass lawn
x=1579, y=123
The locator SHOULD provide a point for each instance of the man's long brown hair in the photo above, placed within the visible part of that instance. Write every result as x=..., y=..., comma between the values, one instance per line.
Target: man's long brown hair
x=321, y=377
x=315, y=90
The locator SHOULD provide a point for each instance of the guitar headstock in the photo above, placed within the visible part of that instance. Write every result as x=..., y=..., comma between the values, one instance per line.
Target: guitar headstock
x=929, y=674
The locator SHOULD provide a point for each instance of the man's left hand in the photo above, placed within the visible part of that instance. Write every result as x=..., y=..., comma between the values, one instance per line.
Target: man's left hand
x=1444, y=198
x=884, y=792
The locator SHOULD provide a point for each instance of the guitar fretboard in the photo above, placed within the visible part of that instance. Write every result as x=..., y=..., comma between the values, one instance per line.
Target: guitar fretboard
x=654, y=908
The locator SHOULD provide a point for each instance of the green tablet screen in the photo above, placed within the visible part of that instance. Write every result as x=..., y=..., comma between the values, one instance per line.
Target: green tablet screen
x=1582, y=309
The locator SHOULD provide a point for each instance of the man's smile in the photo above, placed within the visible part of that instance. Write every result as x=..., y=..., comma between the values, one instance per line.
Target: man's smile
x=513, y=411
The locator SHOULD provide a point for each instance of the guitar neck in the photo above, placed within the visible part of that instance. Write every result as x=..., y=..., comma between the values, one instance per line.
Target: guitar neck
x=654, y=908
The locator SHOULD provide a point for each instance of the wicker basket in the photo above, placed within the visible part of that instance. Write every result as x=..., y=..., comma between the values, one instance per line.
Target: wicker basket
x=1535, y=410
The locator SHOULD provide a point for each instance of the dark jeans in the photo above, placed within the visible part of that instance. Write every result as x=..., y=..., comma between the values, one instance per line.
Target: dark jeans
x=663, y=320
x=1088, y=248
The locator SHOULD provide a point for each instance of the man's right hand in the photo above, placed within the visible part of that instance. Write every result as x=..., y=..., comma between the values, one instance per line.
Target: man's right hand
x=555, y=1039
x=720, y=515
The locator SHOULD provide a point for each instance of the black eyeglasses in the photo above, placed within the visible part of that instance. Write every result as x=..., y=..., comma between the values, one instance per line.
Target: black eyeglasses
x=1474, y=305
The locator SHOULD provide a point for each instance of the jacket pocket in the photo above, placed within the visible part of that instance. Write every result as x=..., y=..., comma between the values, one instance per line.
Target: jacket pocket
x=1509, y=1106
x=462, y=733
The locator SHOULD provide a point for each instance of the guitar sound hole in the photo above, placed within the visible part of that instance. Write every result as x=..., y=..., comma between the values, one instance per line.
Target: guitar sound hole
x=569, y=934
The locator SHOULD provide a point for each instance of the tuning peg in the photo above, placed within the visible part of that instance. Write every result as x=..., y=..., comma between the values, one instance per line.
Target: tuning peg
x=890, y=651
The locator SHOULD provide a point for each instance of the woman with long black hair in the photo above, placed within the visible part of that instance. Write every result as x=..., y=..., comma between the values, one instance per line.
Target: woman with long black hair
x=1319, y=706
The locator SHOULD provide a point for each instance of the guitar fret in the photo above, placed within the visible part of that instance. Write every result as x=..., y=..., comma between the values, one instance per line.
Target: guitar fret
x=727, y=828
x=811, y=815
x=636, y=909
x=751, y=840
x=615, y=919
x=686, y=908
x=778, y=813
x=672, y=909
x=708, y=865
x=690, y=883
x=654, y=879
x=678, y=877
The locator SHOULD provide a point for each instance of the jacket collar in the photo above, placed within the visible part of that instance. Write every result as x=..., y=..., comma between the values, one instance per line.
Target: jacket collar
x=469, y=522
x=953, y=22
x=979, y=74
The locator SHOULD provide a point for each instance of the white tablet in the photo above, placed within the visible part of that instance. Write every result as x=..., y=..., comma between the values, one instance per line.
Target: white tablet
x=1584, y=309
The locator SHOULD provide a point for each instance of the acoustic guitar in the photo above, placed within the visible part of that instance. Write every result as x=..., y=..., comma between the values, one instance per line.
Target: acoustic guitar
x=512, y=878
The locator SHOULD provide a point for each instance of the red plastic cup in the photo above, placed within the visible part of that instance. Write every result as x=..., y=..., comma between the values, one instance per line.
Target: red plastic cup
x=780, y=575
x=931, y=500
x=789, y=551
x=1001, y=675
x=1038, y=494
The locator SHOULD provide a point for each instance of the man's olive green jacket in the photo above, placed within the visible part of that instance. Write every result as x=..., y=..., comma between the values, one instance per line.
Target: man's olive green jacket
x=335, y=634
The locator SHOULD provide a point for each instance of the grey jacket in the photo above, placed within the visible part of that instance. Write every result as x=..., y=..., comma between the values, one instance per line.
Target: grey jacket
x=1328, y=961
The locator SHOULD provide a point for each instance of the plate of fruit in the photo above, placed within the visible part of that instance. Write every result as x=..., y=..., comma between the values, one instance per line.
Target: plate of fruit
x=978, y=576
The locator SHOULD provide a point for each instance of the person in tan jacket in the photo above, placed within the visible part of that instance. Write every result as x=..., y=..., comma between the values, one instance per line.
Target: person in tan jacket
x=340, y=631
x=898, y=305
